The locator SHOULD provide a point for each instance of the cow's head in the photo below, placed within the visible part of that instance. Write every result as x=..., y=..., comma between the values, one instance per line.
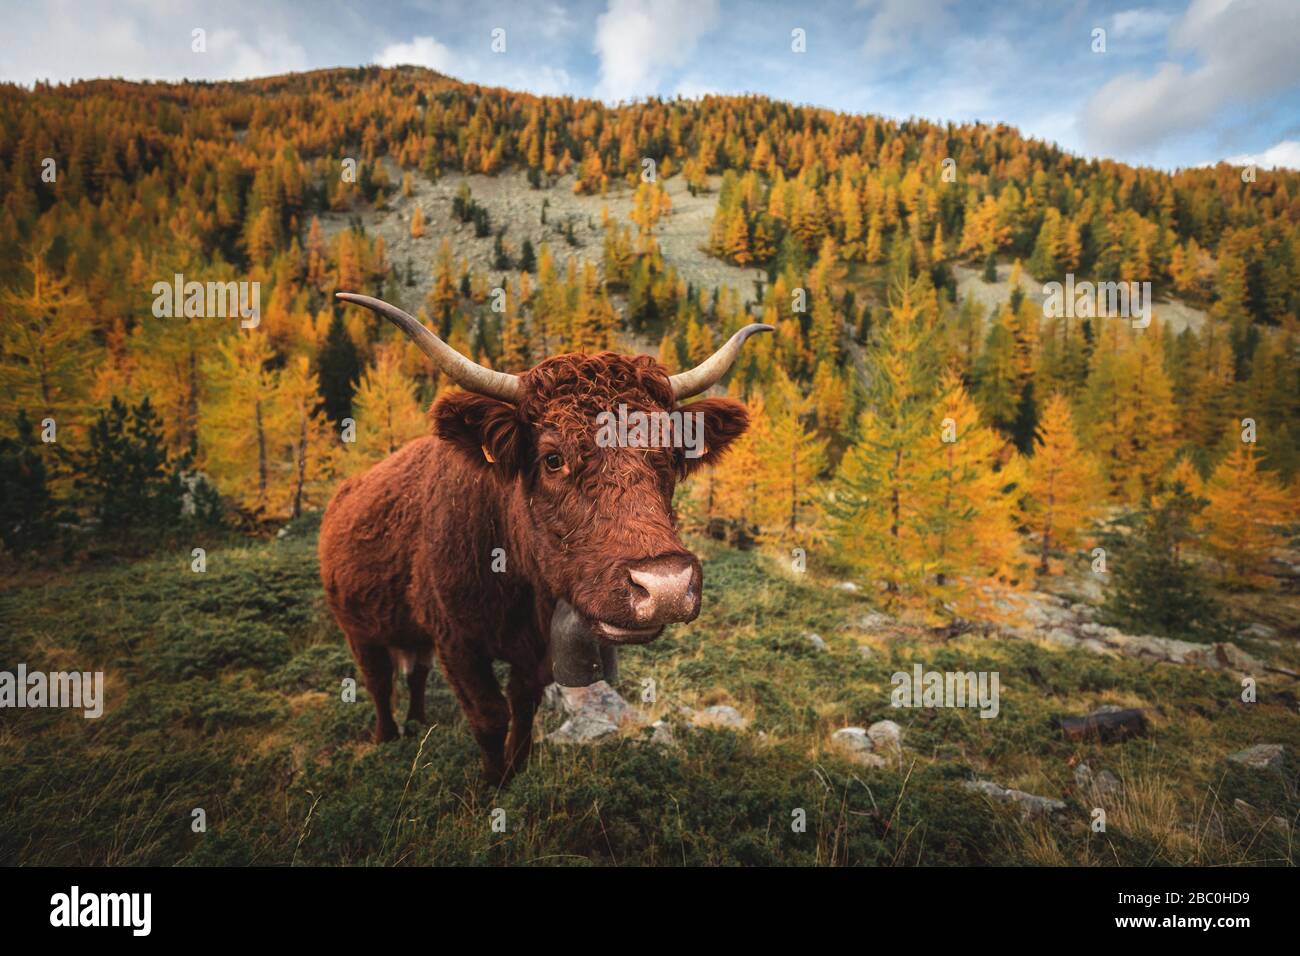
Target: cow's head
x=598, y=486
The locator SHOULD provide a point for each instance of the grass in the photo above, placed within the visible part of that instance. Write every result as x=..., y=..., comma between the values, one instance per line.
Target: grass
x=223, y=694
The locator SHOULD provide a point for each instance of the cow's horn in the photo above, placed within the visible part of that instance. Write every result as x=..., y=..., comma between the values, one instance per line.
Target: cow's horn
x=707, y=373
x=468, y=375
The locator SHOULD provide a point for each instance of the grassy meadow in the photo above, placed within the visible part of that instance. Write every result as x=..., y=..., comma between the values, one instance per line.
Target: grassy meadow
x=223, y=693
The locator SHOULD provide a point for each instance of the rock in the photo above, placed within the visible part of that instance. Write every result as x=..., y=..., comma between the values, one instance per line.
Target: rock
x=816, y=641
x=720, y=715
x=584, y=728
x=1106, y=724
x=854, y=744
x=1256, y=818
x=1103, y=639
x=1059, y=635
x=1260, y=632
x=553, y=699
x=886, y=735
x=848, y=586
x=871, y=621
x=1260, y=757
x=866, y=651
x=1103, y=784
x=662, y=735
x=595, y=712
x=283, y=532
x=1030, y=805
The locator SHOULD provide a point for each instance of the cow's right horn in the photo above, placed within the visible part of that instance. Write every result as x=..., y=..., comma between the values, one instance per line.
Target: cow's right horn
x=705, y=375
x=468, y=375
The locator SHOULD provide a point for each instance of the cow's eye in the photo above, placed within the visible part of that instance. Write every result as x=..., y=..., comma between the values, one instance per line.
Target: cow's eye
x=554, y=462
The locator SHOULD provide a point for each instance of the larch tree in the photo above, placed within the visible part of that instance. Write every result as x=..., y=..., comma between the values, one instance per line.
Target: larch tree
x=1062, y=486
x=304, y=443
x=1245, y=515
x=235, y=430
x=46, y=352
x=385, y=406
x=879, y=521
x=790, y=457
x=967, y=496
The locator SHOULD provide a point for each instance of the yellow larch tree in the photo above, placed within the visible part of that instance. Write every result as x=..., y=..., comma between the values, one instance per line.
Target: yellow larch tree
x=969, y=497
x=235, y=427
x=1062, y=488
x=790, y=457
x=1243, y=520
x=304, y=446
x=385, y=407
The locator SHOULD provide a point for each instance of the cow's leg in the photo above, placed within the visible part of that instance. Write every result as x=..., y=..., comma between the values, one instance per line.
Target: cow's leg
x=416, y=681
x=377, y=672
x=470, y=675
x=525, y=692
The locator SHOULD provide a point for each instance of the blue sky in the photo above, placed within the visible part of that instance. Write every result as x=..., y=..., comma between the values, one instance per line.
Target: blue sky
x=1180, y=83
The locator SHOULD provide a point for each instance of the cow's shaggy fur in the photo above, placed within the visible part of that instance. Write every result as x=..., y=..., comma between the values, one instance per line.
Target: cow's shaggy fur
x=407, y=548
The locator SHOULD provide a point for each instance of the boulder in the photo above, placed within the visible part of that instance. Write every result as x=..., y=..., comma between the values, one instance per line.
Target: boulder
x=720, y=715
x=594, y=712
x=1098, y=785
x=886, y=735
x=854, y=743
x=1260, y=757
x=1030, y=805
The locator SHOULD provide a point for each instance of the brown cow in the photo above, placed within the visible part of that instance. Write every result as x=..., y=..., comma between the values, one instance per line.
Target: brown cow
x=409, y=549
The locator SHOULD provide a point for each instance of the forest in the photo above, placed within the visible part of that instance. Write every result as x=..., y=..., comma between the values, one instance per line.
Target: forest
x=933, y=447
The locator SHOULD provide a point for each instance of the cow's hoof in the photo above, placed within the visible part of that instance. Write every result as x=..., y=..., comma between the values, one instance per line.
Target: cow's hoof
x=385, y=734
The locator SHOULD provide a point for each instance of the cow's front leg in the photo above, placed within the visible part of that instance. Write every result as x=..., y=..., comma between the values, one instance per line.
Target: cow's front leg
x=470, y=675
x=525, y=693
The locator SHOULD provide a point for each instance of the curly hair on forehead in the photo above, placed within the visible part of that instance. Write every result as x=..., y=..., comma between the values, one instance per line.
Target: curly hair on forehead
x=570, y=383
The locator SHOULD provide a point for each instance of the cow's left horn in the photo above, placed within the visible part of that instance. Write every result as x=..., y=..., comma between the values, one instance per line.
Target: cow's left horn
x=707, y=373
x=468, y=375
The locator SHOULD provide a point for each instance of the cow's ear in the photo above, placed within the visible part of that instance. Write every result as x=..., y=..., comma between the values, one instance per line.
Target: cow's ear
x=488, y=432
x=725, y=420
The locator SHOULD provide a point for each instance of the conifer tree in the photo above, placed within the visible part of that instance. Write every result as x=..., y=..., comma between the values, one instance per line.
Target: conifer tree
x=790, y=457
x=1245, y=515
x=1062, y=486
x=878, y=521
x=45, y=348
x=385, y=407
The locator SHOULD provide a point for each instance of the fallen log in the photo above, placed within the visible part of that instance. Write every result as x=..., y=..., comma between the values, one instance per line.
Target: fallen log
x=1104, y=725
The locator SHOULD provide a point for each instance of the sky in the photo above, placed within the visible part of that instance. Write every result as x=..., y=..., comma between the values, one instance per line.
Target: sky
x=1167, y=83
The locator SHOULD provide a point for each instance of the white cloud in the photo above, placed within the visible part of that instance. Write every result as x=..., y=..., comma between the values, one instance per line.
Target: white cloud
x=694, y=89
x=1285, y=153
x=490, y=70
x=638, y=41
x=1140, y=23
x=896, y=23
x=420, y=51
x=63, y=41
x=1247, y=50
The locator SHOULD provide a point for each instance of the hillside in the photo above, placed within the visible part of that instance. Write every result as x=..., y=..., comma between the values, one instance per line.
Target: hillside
x=942, y=472
x=224, y=695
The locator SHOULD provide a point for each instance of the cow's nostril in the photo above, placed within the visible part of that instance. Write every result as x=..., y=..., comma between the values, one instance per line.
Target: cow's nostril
x=665, y=589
